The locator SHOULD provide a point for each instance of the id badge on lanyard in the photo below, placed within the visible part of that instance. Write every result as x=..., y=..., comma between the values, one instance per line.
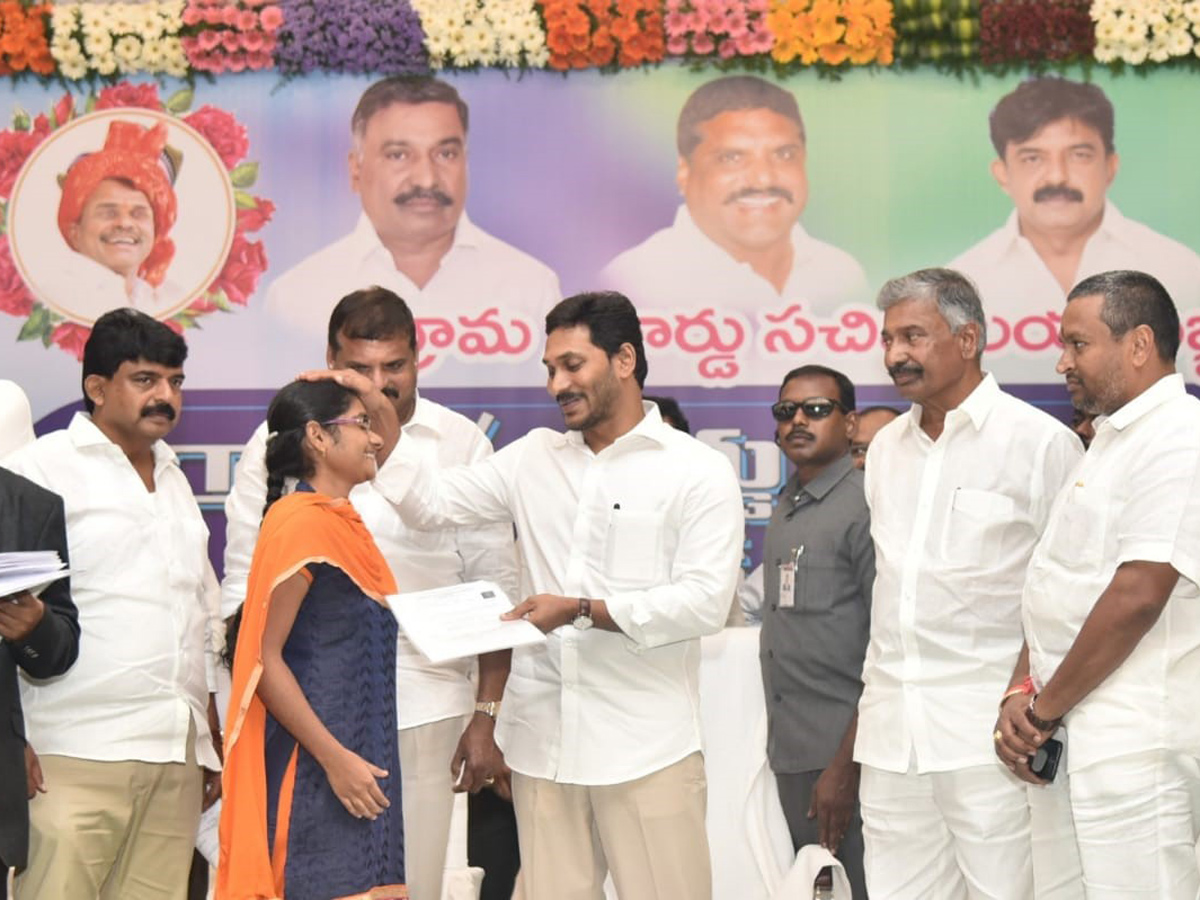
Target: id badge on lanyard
x=787, y=578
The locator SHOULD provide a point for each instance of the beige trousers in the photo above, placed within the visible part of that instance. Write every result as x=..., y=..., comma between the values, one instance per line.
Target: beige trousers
x=428, y=798
x=650, y=832
x=112, y=830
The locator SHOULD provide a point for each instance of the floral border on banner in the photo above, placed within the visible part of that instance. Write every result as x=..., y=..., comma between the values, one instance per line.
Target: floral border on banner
x=247, y=259
x=230, y=35
x=353, y=36
x=114, y=39
x=702, y=29
x=1136, y=32
x=832, y=32
x=23, y=43
x=464, y=34
x=1035, y=32
x=603, y=34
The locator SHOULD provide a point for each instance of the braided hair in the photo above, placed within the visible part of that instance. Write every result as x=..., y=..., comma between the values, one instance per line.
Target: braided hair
x=288, y=416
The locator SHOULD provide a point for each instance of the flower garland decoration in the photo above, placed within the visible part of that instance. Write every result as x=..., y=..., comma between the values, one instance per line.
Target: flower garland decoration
x=725, y=28
x=832, y=32
x=584, y=34
x=468, y=33
x=937, y=30
x=113, y=39
x=247, y=259
x=24, y=45
x=1034, y=32
x=1137, y=32
x=230, y=35
x=354, y=36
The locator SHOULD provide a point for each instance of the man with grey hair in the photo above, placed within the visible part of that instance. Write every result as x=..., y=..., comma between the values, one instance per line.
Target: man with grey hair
x=408, y=165
x=737, y=241
x=959, y=489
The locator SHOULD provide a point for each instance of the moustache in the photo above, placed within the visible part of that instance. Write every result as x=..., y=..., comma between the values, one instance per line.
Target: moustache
x=418, y=193
x=1051, y=191
x=781, y=193
x=799, y=432
x=566, y=397
x=390, y=392
x=159, y=409
x=904, y=369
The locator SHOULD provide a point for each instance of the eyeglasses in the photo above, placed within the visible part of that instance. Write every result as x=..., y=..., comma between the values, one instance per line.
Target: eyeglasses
x=362, y=420
x=814, y=408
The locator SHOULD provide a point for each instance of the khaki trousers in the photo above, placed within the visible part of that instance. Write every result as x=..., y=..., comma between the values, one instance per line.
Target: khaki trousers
x=112, y=830
x=650, y=832
x=428, y=798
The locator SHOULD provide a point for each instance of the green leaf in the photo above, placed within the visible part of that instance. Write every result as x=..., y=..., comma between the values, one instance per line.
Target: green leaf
x=180, y=101
x=36, y=326
x=245, y=175
x=21, y=120
x=244, y=200
x=90, y=104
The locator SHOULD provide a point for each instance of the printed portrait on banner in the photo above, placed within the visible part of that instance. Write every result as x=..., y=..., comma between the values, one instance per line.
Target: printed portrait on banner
x=129, y=204
x=477, y=299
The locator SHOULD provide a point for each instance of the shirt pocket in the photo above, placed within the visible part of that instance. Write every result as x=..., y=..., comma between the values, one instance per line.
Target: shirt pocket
x=816, y=583
x=1077, y=533
x=634, y=551
x=976, y=524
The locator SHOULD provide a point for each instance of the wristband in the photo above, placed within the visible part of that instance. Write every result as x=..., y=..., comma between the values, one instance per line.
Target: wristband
x=1036, y=721
x=1026, y=688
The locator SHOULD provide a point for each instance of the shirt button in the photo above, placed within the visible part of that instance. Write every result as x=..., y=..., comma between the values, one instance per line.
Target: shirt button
x=778, y=699
x=770, y=654
x=774, y=606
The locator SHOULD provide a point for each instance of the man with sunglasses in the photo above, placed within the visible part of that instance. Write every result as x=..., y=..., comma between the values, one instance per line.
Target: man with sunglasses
x=960, y=489
x=818, y=565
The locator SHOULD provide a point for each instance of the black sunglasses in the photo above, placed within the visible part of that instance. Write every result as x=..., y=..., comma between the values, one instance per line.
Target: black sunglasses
x=814, y=408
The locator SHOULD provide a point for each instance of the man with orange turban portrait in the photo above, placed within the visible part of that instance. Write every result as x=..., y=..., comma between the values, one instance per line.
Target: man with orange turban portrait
x=118, y=206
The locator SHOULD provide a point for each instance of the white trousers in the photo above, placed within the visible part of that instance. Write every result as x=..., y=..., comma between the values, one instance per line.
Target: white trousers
x=428, y=799
x=946, y=835
x=1136, y=820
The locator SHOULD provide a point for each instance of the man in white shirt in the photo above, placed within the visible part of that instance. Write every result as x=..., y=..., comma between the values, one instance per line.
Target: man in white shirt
x=635, y=528
x=959, y=488
x=408, y=165
x=372, y=332
x=1056, y=159
x=124, y=736
x=1112, y=601
x=737, y=242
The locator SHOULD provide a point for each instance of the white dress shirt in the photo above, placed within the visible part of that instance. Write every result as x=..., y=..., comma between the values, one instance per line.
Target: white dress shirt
x=426, y=692
x=954, y=522
x=1015, y=283
x=85, y=289
x=479, y=272
x=1134, y=497
x=653, y=525
x=138, y=566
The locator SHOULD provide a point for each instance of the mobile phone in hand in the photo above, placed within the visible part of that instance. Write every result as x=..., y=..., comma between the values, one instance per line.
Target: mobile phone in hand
x=1044, y=762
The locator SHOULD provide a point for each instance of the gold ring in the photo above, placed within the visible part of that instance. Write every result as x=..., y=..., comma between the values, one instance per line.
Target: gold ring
x=996, y=735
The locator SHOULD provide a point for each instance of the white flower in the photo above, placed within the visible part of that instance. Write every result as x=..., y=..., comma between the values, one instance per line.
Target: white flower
x=106, y=64
x=1157, y=51
x=93, y=17
x=1106, y=30
x=1105, y=53
x=1135, y=56
x=1191, y=11
x=1180, y=43
x=152, y=55
x=538, y=59
x=1131, y=31
x=128, y=48
x=63, y=19
x=72, y=69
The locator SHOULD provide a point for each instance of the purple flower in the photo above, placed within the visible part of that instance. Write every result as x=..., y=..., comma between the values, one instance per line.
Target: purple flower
x=353, y=36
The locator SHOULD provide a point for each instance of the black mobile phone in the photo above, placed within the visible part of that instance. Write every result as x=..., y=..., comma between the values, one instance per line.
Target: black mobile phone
x=1044, y=762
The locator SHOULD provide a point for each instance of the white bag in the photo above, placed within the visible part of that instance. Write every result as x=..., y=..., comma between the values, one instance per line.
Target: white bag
x=798, y=883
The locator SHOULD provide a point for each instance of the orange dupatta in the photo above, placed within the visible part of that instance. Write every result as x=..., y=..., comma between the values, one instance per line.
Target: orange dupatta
x=300, y=529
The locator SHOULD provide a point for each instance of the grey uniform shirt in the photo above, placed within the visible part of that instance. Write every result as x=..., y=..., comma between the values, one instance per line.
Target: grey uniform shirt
x=812, y=653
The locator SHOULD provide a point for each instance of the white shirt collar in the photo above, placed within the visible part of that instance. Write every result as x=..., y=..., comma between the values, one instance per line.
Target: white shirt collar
x=425, y=417
x=1162, y=391
x=366, y=243
x=978, y=404
x=685, y=223
x=83, y=432
x=1112, y=226
x=650, y=427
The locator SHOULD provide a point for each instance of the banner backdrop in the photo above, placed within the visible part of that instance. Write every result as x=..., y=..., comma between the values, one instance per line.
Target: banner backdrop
x=571, y=174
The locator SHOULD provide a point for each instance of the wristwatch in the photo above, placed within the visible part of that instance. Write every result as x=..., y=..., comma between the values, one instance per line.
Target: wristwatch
x=583, y=618
x=490, y=708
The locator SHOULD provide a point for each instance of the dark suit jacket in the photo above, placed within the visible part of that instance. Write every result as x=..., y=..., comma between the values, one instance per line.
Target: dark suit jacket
x=31, y=518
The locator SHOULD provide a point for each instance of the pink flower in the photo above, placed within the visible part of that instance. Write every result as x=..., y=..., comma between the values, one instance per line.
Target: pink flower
x=127, y=94
x=15, y=298
x=736, y=24
x=727, y=48
x=675, y=24
x=703, y=44
x=223, y=131
x=192, y=16
x=272, y=17
x=260, y=60
x=230, y=40
x=255, y=218
x=237, y=62
x=253, y=40
x=677, y=45
x=230, y=14
x=214, y=16
x=71, y=336
x=246, y=262
x=247, y=20
x=209, y=39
